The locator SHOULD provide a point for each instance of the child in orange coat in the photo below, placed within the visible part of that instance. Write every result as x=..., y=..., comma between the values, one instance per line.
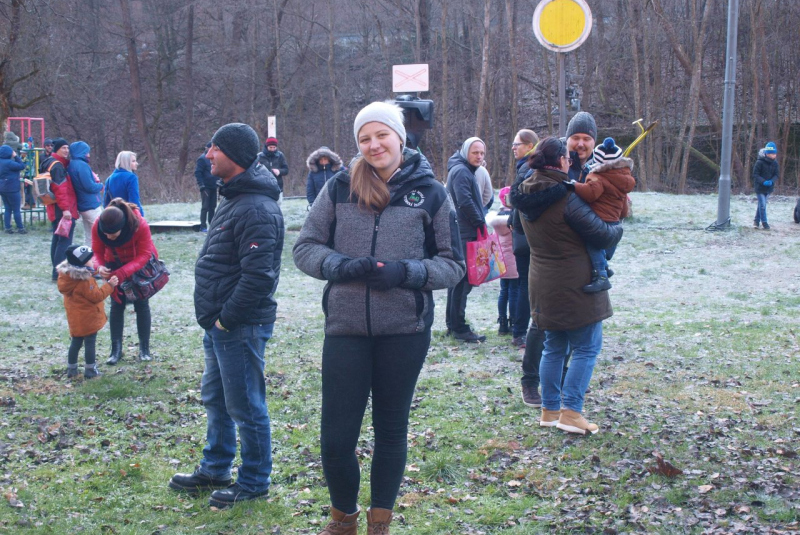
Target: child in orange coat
x=83, y=301
x=606, y=190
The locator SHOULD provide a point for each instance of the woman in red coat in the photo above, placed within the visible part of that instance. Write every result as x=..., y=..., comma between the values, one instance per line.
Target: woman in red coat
x=122, y=245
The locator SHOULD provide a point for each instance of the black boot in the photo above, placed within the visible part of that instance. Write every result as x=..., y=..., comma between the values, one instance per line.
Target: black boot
x=144, y=350
x=598, y=284
x=116, y=352
x=503, y=329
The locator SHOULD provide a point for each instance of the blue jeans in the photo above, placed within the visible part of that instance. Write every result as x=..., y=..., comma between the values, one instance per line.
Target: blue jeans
x=234, y=395
x=600, y=257
x=585, y=343
x=11, y=203
x=522, y=314
x=761, y=211
x=507, y=300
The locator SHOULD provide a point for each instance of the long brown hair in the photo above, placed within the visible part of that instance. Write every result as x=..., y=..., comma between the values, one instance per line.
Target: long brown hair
x=371, y=192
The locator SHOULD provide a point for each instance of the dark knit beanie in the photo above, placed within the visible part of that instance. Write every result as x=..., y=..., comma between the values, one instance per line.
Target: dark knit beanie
x=78, y=255
x=582, y=123
x=271, y=141
x=238, y=142
x=47, y=141
x=58, y=143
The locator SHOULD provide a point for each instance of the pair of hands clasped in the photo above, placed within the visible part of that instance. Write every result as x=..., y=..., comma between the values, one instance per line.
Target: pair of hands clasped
x=378, y=275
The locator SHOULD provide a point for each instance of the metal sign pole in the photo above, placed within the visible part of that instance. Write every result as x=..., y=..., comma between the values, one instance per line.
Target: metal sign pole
x=724, y=201
x=562, y=96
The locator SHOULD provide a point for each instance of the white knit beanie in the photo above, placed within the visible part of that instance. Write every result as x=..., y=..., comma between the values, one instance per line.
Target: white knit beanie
x=387, y=113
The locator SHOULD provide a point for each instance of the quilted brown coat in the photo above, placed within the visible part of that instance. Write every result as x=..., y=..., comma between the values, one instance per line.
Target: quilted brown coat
x=83, y=299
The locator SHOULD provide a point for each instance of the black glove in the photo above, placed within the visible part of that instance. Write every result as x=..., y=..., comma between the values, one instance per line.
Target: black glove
x=390, y=275
x=569, y=184
x=355, y=268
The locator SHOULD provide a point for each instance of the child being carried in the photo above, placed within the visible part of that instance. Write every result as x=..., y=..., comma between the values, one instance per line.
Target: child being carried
x=606, y=190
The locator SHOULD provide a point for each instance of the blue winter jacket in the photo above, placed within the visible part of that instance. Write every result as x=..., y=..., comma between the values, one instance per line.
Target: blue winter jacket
x=124, y=184
x=9, y=170
x=88, y=192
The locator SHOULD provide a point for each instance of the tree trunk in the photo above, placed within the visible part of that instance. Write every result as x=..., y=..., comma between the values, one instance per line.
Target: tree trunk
x=512, y=31
x=136, y=88
x=332, y=79
x=635, y=15
x=480, y=123
x=188, y=98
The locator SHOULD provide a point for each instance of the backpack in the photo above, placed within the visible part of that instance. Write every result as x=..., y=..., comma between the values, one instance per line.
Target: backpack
x=41, y=187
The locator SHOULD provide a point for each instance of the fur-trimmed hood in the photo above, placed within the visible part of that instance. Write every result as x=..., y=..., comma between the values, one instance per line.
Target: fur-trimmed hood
x=74, y=272
x=312, y=162
x=619, y=163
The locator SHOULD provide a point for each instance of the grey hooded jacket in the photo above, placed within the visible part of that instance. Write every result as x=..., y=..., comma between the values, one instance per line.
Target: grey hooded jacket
x=417, y=228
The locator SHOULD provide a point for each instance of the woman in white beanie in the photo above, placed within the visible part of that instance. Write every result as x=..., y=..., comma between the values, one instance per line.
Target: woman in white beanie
x=381, y=235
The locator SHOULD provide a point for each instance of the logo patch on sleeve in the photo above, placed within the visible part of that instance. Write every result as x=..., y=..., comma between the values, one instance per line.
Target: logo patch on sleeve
x=254, y=245
x=414, y=198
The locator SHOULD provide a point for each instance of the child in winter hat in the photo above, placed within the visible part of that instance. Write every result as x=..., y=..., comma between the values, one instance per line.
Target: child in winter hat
x=606, y=190
x=83, y=302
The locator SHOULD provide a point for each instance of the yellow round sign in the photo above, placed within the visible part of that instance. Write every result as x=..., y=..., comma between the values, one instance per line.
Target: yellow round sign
x=562, y=25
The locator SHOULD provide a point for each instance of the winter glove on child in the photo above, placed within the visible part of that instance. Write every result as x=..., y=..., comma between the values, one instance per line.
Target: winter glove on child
x=768, y=183
x=354, y=269
x=388, y=276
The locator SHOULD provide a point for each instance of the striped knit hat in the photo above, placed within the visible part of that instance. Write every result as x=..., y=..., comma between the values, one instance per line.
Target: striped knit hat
x=607, y=152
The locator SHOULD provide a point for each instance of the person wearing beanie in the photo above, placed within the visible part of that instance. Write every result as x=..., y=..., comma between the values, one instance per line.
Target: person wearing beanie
x=606, y=190
x=322, y=164
x=83, y=302
x=383, y=235
x=275, y=161
x=209, y=189
x=765, y=176
x=581, y=138
x=10, y=167
x=236, y=276
x=87, y=185
x=466, y=195
x=65, y=205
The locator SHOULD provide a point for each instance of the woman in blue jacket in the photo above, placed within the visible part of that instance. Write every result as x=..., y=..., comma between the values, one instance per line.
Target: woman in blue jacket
x=87, y=186
x=123, y=182
x=10, y=166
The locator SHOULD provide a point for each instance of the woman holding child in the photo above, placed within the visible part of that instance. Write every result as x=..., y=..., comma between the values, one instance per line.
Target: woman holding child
x=557, y=225
x=384, y=236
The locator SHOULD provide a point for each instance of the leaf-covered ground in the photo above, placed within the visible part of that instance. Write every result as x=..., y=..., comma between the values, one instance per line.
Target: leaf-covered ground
x=697, y=393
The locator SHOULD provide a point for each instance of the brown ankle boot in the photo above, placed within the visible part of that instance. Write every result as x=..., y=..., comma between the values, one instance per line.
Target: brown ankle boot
x=378, y=521
x=341, y=524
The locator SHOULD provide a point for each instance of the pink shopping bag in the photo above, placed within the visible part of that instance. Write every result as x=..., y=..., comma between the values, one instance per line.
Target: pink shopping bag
x=485, y=260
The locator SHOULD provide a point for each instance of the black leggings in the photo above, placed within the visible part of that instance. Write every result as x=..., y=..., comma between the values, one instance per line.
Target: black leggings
x=89, y=355
x=116, y=319
x=352, y=366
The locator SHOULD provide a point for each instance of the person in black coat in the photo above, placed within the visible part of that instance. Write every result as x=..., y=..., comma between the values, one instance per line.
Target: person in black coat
x=322, y=164
x=765, y=175
x=208, y=185
x=274, y=160
x=466, y=197
x=236, y=276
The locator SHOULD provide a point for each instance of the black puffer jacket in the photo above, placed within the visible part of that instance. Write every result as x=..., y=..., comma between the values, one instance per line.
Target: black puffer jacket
x=765, y=168
x=466, y=196
x=237, y=271
x=519, y=241
x=274, y=160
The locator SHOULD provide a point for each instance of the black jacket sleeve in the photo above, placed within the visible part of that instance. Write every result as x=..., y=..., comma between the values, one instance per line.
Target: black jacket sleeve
x=464, y=189
x=593, y=230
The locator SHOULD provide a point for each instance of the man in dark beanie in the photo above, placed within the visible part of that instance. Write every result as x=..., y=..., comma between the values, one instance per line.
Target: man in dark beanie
x=236, y=275
x=274, y=160
x=581, y=136
x=207, y=183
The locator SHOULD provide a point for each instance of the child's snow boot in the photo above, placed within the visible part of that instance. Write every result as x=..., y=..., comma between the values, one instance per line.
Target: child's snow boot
x=599, y=284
